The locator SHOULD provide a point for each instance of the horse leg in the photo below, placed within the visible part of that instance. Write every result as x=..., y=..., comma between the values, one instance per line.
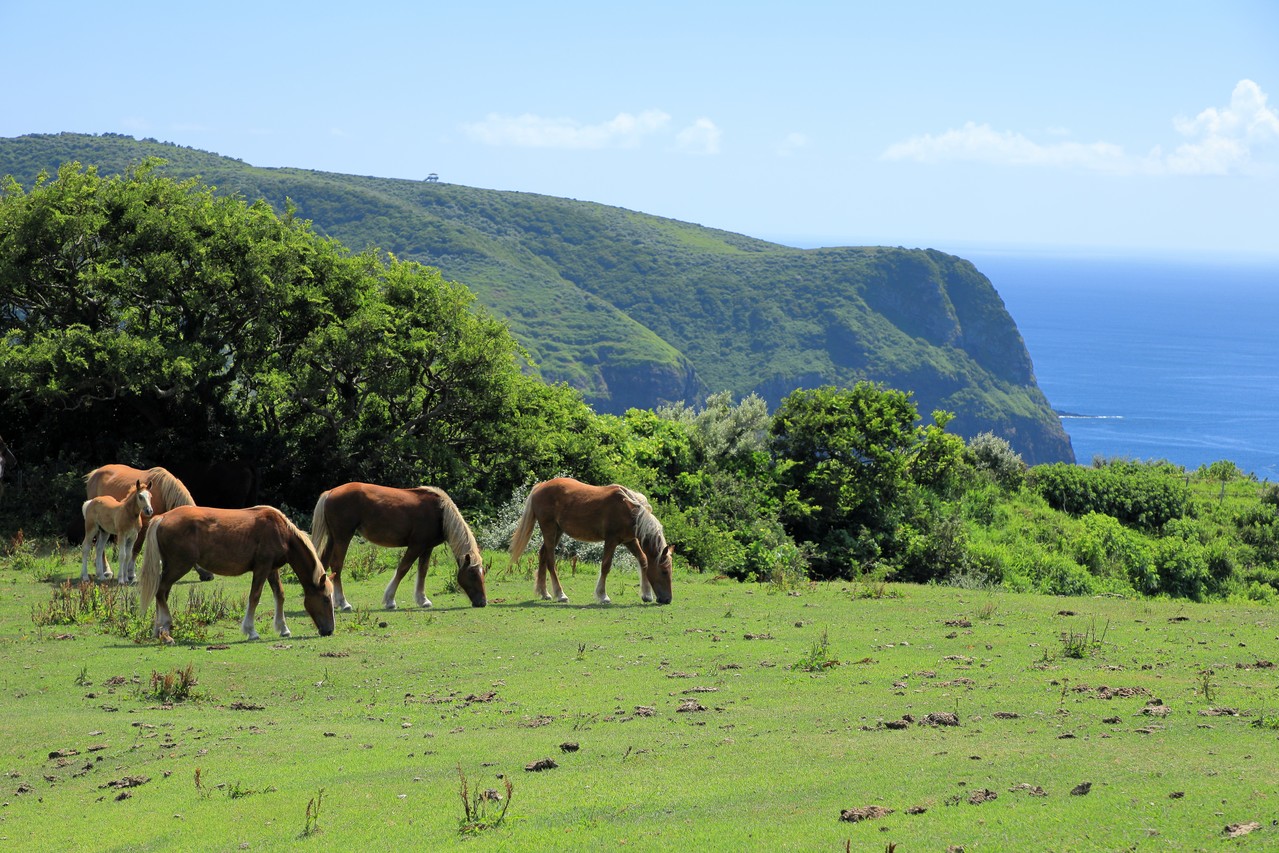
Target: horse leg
x=85, y=548
x=546, y=563
x=557, y=591
x=255, y=594
x=278, y=590
x=123, y=553
x=335, y=561
x=606, y=563
x=646, y=588
x=100, y=559
x=388, y=597
x=419, y=592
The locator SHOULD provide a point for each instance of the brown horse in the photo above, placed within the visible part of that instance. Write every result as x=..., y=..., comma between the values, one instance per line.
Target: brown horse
x=167, y=491
x=105, y=516
x=414, y=519
x=614, y=515
x=233, y=542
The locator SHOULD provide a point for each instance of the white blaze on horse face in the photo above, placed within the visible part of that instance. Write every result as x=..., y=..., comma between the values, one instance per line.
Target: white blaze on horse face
x=144, y=502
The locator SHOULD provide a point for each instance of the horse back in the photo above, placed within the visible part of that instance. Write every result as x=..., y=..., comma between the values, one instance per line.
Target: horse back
x=386, y=516
x=225, y=541
x=586, y=512
x=167, y=491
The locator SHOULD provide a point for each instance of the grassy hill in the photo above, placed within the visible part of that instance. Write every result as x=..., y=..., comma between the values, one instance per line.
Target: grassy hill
x=637, y=310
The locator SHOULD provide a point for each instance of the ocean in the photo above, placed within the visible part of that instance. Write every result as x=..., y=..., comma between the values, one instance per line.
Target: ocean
x=1152, y=358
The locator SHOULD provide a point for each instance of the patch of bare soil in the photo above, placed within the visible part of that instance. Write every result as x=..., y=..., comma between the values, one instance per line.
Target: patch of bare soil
x=569, y=746
x=1081, y=789
x=1259, y=664
x=540, y=765
x=689, y=705
x=984, y=795
x=127, y=782
x=1006, y=715
x=1104, y=692
x=957, y=623
x=1235, y=830
x=758, y=636
x=1219, y=712
x=897, y=724
x=246, y=706
x=1033, y=790
x=1155, y=708
x=864, y=813
x=487, y=696
x=940, y=718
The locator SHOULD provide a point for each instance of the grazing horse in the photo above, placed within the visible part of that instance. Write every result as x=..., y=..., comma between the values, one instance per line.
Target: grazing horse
x=105, y=516
x=233, y=542
x=8, y=462
x=167, y=491
x=614, y=515
x=414, y=519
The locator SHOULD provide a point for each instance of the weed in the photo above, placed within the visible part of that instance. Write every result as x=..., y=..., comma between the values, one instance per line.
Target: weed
x=1266, y=721
x=208, y=607
x=236, y=791
x=72, y=602
x=199, y=784
x=1080, y=645
x=1206, y=687
x=988, y=608
x=818, y=658
x=82, y=680
x=581, y=651
x=312, y=825
x=174, y=686
x=361, y=620
x=476, y=809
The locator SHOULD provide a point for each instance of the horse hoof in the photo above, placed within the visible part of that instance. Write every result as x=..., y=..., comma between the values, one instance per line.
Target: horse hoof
x=563, y=599
x=345, y=608
x=286, y=633
x=389, y=605
x=604, y=599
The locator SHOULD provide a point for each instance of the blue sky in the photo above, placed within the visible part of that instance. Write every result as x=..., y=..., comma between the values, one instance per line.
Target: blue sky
x=1086, y=126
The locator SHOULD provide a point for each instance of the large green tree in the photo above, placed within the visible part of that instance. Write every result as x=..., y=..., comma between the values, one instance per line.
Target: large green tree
x=852, y=464
x=151, y=321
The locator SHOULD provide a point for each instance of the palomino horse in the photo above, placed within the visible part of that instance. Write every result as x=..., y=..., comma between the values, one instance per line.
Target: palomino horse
x=414, y=519
x=167, y=491
x=8, y=462
x=233, y=542
x=614, y=515
x=105, y=516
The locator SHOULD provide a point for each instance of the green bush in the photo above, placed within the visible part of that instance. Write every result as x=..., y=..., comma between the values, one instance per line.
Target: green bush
x=1141, y=495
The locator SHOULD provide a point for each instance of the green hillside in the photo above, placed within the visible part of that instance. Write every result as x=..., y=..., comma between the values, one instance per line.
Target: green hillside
x=637, y=310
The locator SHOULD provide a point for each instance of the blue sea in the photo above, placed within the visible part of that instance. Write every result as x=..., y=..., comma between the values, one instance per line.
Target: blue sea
x=1152, y=358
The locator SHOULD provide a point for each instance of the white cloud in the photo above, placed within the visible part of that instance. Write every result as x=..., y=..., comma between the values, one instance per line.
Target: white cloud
x=529, y=131
x=700, y=137
x=792, y=143
x=1230, y=140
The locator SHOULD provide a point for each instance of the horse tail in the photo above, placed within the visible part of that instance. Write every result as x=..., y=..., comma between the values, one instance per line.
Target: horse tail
x=458, y=533
x=320, y=533
x=524, y=530
x=152, y=568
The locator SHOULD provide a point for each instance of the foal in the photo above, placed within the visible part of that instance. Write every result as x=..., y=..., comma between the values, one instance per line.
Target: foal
x=104, y=516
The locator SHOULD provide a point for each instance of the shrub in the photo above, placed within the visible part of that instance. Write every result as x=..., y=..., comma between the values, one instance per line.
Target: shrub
x=994, y=455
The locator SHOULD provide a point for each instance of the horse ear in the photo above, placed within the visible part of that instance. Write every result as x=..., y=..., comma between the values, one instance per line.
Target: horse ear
x=670, y=550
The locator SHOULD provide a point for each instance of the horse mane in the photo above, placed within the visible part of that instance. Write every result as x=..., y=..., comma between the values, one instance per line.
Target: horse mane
x=304, y=538
x=458, y=533
x=647, y=528
x=172, y=491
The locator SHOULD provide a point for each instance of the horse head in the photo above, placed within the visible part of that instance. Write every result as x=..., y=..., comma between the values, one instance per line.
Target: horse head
x=144, y=498
x=658, y=569
x=318, y=601
x=470, y=577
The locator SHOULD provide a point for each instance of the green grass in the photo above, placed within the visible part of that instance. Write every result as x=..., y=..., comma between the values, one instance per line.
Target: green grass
x=387, y=733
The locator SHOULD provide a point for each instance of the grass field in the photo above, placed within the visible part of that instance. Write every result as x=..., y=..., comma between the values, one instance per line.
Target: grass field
x=740, y=717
